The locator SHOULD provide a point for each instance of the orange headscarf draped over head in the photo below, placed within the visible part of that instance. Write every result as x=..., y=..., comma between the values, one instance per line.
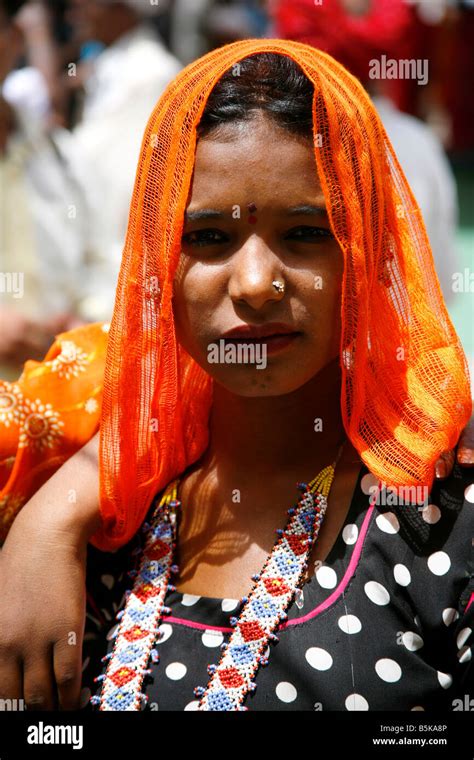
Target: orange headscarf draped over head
x=405, y=386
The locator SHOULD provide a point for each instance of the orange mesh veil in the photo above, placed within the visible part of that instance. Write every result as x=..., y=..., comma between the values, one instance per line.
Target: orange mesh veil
x=405, y=386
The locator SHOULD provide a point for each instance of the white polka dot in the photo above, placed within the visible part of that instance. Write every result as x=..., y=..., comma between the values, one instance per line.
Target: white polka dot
x=176, y=671
x=212, y=638
x=286, y=692
x=388, y=670
x=469, y=493
x=462, y=637
x=349, y=624
x=356, y=702
x=85, y=696
x=464, y=654
x=439, y=563
x=417, y=708
x=388, y=522
x=431, y=514
x=165, y=630
x=449, y=615
x=192, y=705
x=318, y=658
x=402, y=575
x=368, y=483
x=445, y=680
x=350, y=534
x=227, y=605
x=326, y=577
x=189, y=599
x=377, y=593
x=412, y=641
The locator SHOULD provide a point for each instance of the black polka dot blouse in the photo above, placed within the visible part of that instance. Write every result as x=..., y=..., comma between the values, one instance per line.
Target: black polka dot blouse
x=386, y=622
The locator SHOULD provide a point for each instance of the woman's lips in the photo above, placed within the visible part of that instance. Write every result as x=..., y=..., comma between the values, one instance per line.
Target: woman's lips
x=273, y=343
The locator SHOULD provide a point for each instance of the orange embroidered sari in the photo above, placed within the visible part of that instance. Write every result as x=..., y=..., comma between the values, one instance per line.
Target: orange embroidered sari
x=48, y=414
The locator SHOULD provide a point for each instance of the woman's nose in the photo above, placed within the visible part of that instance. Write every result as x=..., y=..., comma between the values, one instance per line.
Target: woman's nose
x=254, y=268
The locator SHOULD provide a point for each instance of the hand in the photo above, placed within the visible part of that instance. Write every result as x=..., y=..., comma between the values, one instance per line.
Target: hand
x=31, y=16
x=41, y=627
x=463, y=454
x=22, y=338
x=43, y=587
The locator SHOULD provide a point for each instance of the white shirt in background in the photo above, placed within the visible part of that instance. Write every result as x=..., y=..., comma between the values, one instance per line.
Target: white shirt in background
x=102, y=152
x=431, y=179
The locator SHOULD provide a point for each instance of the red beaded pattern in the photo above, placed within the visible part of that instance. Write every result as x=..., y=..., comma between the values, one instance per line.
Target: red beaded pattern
x=141, y=616
x=263, y=610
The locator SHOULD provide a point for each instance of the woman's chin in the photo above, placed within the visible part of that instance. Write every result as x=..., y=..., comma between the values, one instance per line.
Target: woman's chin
x=251, y=382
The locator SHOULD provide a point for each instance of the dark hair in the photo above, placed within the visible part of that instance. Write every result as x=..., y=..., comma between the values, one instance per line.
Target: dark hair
x=11, y=7
x=267, y=82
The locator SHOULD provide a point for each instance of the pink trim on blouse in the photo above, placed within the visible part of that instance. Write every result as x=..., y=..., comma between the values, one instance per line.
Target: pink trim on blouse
x=471, y=600
x=321, y=607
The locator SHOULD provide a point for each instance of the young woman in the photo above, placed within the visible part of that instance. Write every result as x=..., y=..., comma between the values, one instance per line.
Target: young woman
x=278, y=321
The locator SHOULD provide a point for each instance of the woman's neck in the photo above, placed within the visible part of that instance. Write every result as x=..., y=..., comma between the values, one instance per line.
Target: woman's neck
x=277, y=433
x=240, y=490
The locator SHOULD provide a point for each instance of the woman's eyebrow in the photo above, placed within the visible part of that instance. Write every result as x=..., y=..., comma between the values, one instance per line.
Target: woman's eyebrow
x=307, y=210
x=210, y=213
x=205, y=213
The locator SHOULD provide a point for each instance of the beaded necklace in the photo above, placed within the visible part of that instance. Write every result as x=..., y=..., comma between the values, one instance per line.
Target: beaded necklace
x=263, y=609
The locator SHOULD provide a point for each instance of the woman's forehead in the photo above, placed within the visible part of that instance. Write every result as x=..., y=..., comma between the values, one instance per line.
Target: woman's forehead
x=261, y=161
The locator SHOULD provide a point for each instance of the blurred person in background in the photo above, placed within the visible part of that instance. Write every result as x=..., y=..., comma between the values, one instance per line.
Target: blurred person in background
x=122, y=85
x=456, y=76
x=39, y=247
x=66, y=192
x=187, y=38
x=198, y=26
x=231, y=20
x=356, y=32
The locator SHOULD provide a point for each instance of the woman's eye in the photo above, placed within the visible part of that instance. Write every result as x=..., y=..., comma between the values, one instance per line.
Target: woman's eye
x=205, y=237
x=308, y=234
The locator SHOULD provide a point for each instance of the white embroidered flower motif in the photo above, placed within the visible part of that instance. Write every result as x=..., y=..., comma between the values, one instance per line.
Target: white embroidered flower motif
x=70, y=361
x=91, y=405
x=41, y=427
x=12, y=404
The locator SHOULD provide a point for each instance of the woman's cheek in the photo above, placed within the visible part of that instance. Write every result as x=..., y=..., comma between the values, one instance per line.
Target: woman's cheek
x=192, y=321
